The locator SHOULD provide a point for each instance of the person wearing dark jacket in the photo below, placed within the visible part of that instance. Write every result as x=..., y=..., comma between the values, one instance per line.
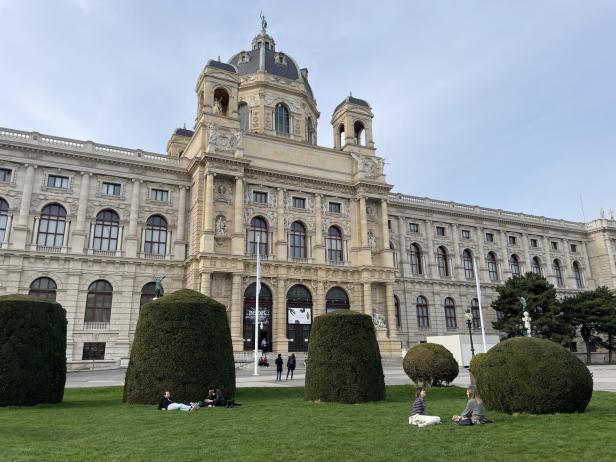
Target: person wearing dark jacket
x=166, y=403
x=279, y=363
x=290, y=365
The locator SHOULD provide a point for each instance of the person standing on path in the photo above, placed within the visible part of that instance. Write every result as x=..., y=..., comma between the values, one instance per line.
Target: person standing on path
x=290, y=365
x=279, y=363
x=264, y=345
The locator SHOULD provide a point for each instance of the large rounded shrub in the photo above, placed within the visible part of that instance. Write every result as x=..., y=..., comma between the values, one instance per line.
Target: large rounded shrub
x=474, y=364
x=182, y=344
x=32, y=351
x=344, y=361
x=430, y=364
x=533, y=375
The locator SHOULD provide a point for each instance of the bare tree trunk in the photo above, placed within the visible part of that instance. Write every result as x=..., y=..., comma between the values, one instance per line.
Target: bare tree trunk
x=588, y=352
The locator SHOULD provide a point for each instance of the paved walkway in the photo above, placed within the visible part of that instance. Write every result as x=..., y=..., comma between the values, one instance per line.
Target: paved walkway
x=604, y=377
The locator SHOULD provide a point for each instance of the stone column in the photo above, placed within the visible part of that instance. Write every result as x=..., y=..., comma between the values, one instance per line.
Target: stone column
x=505, y=269
x=280, y=340
x=564, y=269
x=318, y=306
x=318, y=255
x=237, y=312
x=429, y=251
x=392, y=328
x=587, y=276
x=207, y=238
x=132, y=238
x=367, y=298
x=387, y=260
x=179, y=244
x=548, y=259
x=481, y=257
x=206, y=283
x=610, y=252
x=281, y=238
x=457, y=271
x=402, y=245
x=363, y=222
x=20, y=228
x=238, y=245
x=79, y=231
x=526, y=245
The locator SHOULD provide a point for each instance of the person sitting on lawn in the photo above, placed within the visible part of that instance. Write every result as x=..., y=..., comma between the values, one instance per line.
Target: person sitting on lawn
x=216, y=398
x=474, y=413
x=418, y=416
x=166, y=403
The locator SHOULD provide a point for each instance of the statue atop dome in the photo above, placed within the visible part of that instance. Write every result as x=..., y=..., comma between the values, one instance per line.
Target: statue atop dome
x=263, y=23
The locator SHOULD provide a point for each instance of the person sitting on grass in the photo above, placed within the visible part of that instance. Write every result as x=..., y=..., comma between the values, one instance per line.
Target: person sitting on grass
x=474, y=413
x=418, y=416
x=216, y=398
x=166, y=403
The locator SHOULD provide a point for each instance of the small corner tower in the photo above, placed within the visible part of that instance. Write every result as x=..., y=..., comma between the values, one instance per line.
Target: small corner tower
x=352, y=125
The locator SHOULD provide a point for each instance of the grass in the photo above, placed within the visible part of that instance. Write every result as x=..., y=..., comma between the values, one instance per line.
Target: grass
x=277, y=424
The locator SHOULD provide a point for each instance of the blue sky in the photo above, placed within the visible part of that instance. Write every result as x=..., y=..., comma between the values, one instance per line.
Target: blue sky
x=504, y=104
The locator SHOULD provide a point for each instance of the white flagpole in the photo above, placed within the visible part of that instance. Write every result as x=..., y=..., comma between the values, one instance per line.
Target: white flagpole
x=258, y=291
x=483, y=331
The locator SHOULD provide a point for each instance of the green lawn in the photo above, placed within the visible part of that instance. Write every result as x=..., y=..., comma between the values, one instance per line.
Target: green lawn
x=276, y=424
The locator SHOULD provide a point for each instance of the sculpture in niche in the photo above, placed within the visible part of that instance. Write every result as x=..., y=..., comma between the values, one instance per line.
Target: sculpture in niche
x=371, y=239
x=217, y=106
x=379, y=320
x=221, y=226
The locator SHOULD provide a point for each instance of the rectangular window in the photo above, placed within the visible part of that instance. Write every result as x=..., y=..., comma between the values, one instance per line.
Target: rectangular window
x=335, y=207
x=573, y=248
x=6, y=174
x=299, y=203
x=554, y=245
x=512, y=240
x=466, y=234
x=258, y=196
x=160, y=195
x=573, y=347
x=93, y=351
x=534, y=243
x=111, y=189
x=389, y=224
x=489, y=237
x=440, y=230
x=56, y=181
x=413, y=227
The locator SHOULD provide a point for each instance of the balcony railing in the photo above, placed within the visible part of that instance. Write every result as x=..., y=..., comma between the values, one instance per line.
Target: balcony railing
x=99, y=325
x=337, y=263
x=48, y=249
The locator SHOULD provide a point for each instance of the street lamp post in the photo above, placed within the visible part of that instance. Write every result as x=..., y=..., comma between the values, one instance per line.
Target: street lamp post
x=469, y=321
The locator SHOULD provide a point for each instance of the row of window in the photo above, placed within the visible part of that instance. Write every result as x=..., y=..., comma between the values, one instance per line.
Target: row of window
x=298, y=202
x=451, y=319
x=416, y=265
x=489, y=237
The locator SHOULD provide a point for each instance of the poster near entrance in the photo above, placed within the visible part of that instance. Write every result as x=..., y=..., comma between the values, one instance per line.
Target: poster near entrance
x=299, y=316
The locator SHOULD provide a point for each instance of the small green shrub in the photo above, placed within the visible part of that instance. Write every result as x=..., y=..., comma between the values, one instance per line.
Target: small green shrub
x=344, y=361
x=182, y=344
x=430, y=364
x=533, y=375
x=32, y=351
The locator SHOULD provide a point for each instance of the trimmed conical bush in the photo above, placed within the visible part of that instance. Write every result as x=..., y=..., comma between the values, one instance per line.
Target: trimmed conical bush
x=32, y=351
x=182, y=344
x=344, y=361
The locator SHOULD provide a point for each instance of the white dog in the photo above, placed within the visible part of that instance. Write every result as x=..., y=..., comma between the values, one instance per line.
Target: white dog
x=424, y=420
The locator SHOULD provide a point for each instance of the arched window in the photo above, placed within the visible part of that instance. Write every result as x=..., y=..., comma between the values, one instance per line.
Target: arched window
x=558, y=274
x=360, y=133
x=475, y=313
x=394, y=254
x=334, y=244
x=221, y=101
x=156, y=235
x=577, y=273
x=44, y=288
x=441, y=261
x=264, y=320
x=397, y=307
x=297, y=240
x=415, y=259
x=4, y=219
x=98, y=303
x=336, y=299
x=299, y=317
x=242, y=109
x=467, y=262
x=341, y=137
x=148, y=292
x=492, y=267
x=257, y=230
x=52, y=226
x=282, y=119
x=450, y=314
x=535, y=266
x=106, y=231
x=423, y=320
x=514, y=262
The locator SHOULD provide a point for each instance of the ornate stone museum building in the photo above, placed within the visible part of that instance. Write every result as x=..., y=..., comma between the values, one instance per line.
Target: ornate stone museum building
x=93, y=225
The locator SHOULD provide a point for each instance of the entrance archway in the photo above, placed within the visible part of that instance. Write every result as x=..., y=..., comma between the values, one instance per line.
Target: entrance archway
x=299, y=317
x=336, y=299
x=265, y=316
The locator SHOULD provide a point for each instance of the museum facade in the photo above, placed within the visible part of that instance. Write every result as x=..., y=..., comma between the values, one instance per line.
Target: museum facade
x=92, y=226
